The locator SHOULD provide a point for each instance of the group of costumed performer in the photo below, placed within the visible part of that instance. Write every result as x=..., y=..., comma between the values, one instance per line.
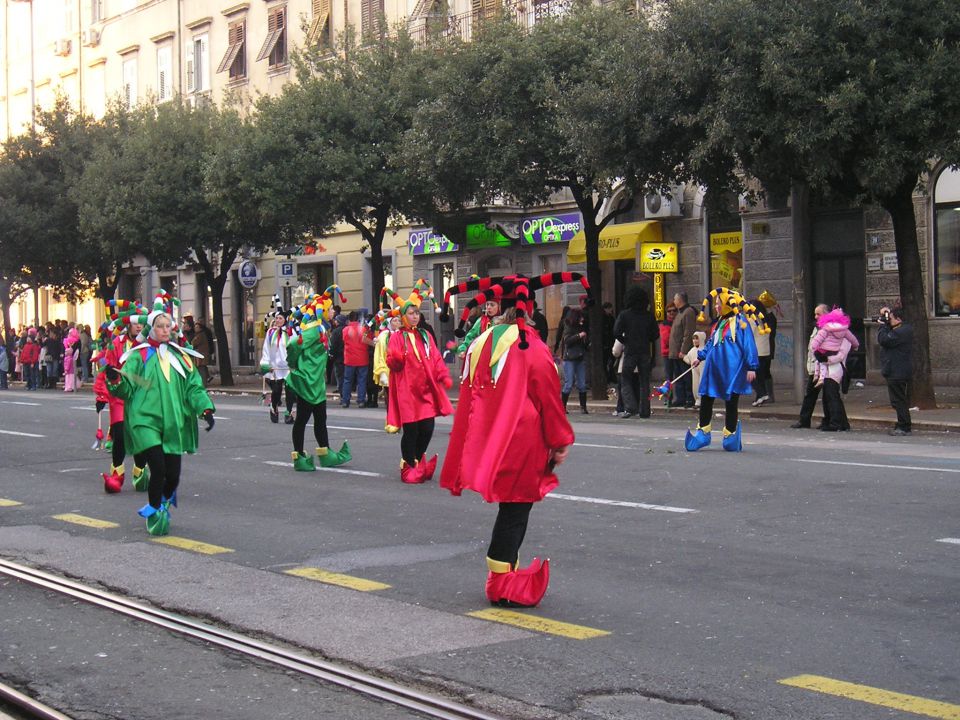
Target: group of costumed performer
x=510, y=430
x=273, y=361
x=730, y=365
x=387, y=324
x=163, y=398
x=307, y=359
x=418, y=383
x=118, y=336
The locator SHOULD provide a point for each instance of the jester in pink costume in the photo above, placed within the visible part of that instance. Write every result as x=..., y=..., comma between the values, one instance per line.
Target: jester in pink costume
x=419, y=381
x=509, y=433
x=123, y=315
x=834, y=329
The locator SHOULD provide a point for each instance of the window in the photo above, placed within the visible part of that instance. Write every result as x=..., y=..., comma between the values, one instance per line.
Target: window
x=485, y=9
x=130, y=82
x=947, y=242
x=319, y=31
x=275, y=44
x=164, y=74
x=371, y=18
x=234, y=60
x=96, y=11
x=68, y=28
x=96, y=92
x=197, y=64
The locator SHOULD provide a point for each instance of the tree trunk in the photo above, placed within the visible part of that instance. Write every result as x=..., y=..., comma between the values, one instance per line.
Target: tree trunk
x=591, y=234
x=217, y=282
x=376, y=258
x=900, y=207
x=105, y=289
x=5, y=302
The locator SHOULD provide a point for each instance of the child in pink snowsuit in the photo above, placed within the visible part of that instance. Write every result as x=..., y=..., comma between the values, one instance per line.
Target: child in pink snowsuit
x=834, y=329
x=71, y=350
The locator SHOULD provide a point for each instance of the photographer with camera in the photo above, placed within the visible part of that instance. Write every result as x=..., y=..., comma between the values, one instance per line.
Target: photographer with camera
x=896, y=363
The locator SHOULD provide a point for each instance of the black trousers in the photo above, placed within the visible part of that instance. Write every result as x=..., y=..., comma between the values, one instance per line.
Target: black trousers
x=164, y=474
x=276, y=389
x=834, y=414
x=306, y=410
x=899, y=392
x=509, y=531
x=636, y=388
x=119, y=451
x=809, y=403
x=682, y=388
x=416, y=439
x=732, y=407
x=762, y=376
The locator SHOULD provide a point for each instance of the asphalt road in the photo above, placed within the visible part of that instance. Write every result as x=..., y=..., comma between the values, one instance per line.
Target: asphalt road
x=695, y=584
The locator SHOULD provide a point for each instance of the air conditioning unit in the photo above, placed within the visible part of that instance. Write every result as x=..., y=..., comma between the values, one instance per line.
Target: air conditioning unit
x=658, y=205
x=90, y=38
x=62, y=47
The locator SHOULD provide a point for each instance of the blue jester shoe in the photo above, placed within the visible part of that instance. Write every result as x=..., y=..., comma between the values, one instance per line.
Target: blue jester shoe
x=733, y=441
x=697, y=440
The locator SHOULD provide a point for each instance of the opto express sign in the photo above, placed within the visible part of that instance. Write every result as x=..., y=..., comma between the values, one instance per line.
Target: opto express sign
x=427, y=242
x=550, y=229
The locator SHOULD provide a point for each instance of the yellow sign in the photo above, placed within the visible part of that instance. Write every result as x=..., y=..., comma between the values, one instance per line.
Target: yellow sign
x=659, y=296
x=658, y=257
x=726, y=241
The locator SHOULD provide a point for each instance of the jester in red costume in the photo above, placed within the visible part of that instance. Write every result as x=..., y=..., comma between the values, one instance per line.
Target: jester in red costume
x=124, y=315
x=510, y=431
x=419, y=381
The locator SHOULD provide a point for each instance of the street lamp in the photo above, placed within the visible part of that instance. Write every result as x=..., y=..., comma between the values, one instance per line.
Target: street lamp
x=33, y=99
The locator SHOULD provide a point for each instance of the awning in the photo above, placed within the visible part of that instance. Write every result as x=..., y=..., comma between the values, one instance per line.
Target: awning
x=617, y=242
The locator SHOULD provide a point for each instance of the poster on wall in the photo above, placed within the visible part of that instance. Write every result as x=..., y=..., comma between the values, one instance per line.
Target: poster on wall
x=726, y=260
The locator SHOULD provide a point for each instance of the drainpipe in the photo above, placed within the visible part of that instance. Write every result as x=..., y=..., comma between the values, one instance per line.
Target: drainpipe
x=801, y=307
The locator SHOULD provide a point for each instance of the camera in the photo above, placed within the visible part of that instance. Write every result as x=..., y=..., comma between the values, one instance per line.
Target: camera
x=884, y=317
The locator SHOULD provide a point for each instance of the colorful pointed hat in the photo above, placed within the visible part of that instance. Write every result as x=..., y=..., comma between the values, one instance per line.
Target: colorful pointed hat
x=514, y=290
x=732, y=301
x=123, y=312
x=277, y=310
x=421, y=291
x=316, y=310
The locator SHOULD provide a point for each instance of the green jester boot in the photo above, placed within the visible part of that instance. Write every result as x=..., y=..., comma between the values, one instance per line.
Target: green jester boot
x=303, y=462
x=328, y=458
x=141, y=478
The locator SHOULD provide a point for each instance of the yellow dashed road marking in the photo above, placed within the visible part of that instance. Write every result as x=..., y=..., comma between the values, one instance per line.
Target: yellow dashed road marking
x=332, y=578
x=191, y=545
x=538, y=624
x=85, y=521
x=8, y=503
x=876, y=696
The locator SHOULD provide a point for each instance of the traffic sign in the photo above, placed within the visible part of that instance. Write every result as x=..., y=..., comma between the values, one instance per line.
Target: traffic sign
x=287, y=272
x=248, y=274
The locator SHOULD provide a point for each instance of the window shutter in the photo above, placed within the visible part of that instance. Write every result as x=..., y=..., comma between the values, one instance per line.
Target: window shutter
x=189, y=65
x=321, y=16
x=234, y=46
x=164, y=57
x=202, y=65
x=274, y=31
x=130, y=82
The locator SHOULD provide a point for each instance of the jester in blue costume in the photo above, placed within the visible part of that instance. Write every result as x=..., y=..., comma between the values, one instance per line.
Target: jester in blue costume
x=729, y=362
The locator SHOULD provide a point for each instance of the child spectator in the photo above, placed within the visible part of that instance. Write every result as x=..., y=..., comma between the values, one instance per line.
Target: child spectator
x=834, y=329
x=699, y=340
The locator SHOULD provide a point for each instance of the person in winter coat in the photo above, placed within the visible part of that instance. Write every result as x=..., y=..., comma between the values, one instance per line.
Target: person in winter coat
x=681, y=340
x=4, y=367
x=575, y=344
x=896, y=364
x=163, y=398
x=636, y=328
x=419, y=381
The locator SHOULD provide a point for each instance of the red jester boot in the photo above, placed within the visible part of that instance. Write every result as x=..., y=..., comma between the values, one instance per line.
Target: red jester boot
x=114, y=481
x=507, y=587
x=429, y=466
x=411, y=474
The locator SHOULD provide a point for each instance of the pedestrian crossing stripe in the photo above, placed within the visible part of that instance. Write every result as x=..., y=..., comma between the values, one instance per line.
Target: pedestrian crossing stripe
x=196, y=546
x=875, y=696
x=86, y=521
x=9, y=503
x=539, y=624
x=332, y=578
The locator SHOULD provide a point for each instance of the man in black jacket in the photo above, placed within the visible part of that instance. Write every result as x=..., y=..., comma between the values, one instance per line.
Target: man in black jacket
x=896, y=364
x=637, y=329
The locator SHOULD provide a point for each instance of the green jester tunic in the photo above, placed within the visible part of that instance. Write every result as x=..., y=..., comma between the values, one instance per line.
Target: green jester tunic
x=161, y=404
x=307, y=359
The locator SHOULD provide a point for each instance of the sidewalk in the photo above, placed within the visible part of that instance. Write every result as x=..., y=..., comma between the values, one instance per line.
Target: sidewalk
x=867, y=405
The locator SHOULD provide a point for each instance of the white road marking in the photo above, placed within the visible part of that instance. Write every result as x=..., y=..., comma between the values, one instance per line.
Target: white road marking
x=622, y=503
x=220, y=417
x=952, y=541
x=86, y=408
x=608, y=447
x=876, y=465
x=16, y=402
x=20, y=434
x=364, y=473
x=344, y=427
x=75, y=470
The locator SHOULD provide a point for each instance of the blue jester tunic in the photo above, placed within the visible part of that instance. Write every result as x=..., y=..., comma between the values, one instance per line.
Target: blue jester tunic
x=729, y=353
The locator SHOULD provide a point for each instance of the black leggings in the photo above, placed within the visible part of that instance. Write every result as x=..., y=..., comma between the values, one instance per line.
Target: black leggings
x=119, y=450
x=306, y=410
x=276, y=388
x=416, y=439
x=164, y=474
x=706, y=411
x=509, y=531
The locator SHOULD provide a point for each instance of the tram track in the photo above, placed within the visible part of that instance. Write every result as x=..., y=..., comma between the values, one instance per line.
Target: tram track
x=430, y=706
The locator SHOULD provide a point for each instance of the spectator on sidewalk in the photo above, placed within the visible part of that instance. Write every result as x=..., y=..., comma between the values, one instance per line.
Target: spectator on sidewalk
x=86, y=351
x=539, y=321
x=636, y=328
x=812, y=391
x=679, y=344
x=356, y=340
x=4, y=366
x=203, y=343
x=896, y=364
x=336, y=351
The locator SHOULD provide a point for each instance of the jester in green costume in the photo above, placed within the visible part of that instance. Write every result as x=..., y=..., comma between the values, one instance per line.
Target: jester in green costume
x=163, y=396
x=307, y=358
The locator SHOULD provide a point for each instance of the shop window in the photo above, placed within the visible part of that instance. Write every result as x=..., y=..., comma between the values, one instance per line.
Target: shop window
x=947, y=243
x=726, y=241
x=312, y=278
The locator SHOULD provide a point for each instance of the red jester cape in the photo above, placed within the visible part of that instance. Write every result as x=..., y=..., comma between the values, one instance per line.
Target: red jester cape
x=418, y=377
x=508, y=419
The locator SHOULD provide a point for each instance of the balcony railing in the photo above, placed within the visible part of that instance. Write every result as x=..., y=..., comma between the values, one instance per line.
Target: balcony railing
x=526, y=13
